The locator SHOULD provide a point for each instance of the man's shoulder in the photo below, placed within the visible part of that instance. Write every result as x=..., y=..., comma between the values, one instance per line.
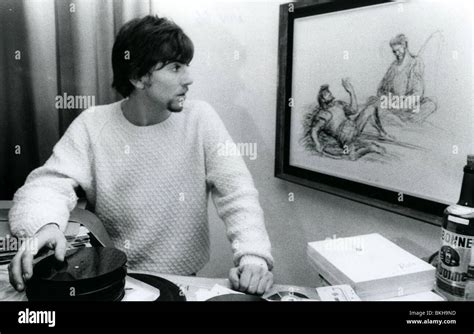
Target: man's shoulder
x=199, y=110
x=95, y=114
x=204, y=118
x=196, y=106
x=416, y=62
x=338, y=106
x=93, y=119
x=393, y=66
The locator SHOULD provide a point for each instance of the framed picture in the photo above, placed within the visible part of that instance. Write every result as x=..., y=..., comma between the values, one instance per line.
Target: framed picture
x=375, y=101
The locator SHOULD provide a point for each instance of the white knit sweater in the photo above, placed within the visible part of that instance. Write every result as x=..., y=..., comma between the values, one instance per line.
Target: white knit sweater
x=149, y=185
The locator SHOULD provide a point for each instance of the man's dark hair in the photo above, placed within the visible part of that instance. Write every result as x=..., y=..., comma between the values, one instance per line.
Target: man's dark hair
x=144, y=42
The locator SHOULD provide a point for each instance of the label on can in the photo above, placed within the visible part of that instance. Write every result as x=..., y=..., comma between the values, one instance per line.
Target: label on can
x=454, y=263
x=458, y=220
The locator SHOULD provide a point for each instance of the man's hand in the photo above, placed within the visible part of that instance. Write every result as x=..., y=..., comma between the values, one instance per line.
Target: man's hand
x=251, y=278
x=20, y=268
x=346, y=83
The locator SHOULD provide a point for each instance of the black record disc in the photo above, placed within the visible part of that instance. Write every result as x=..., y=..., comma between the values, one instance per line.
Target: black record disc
x=85, y=274
x=81, y=264
x=111, y=293
x=168, y=290
x=114, y=291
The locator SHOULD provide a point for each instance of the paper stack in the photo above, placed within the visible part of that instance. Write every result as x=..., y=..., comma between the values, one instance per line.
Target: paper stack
x=337, y=293
x=373, y=266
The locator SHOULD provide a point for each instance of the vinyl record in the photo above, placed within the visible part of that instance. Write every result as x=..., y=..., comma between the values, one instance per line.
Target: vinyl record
x=168, y=290
x=287, y=296
x=114, y=291
x=85, y=274
x=234, y=297
x=79, y=287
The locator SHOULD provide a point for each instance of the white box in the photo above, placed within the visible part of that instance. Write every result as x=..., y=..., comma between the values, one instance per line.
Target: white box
x=373, y=266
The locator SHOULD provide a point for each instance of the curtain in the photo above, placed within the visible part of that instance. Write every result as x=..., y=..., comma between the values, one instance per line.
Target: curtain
x=51, y=49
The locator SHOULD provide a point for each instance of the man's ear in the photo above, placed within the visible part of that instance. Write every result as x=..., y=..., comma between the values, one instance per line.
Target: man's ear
x=138, y=83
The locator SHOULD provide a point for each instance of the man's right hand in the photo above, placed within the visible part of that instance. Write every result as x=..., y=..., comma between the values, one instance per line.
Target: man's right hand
x=21, y=267
x=346, y=83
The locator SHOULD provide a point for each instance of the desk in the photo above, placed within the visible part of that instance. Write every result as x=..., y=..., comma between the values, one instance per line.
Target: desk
x=191, y=284
x=188, y=284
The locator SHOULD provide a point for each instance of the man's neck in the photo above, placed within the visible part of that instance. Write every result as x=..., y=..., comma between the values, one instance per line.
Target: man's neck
x=142, y=112
x=329, y=104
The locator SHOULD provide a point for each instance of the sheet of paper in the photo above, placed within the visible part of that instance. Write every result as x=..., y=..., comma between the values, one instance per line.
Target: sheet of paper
x=138, y=291
x=217, y=290
x=72, y=230
x=7, y=292
x=340, y=293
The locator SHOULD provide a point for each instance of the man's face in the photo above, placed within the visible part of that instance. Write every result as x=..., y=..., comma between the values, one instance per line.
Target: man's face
x=399, y=51
x=167, y=86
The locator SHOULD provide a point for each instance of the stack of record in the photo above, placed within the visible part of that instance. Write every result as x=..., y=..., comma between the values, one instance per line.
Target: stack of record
x=96, y=274
x=77, y=235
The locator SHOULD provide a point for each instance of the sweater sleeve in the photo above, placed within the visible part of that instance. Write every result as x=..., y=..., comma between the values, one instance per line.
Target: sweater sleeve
x=234, y=193
x=48, y=194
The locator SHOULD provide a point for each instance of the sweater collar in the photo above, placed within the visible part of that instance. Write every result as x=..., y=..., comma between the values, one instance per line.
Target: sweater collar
x=138, y=130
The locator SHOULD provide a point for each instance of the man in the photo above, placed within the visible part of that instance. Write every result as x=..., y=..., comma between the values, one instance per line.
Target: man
x=336, y=126
x=147, y=164
x=402, y=86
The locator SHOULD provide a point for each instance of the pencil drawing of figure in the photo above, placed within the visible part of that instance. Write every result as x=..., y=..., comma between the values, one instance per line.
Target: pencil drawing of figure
x=334, y=127
x=401, y=91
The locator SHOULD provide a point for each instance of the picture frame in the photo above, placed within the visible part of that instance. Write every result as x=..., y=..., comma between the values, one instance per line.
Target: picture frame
x=407, y=200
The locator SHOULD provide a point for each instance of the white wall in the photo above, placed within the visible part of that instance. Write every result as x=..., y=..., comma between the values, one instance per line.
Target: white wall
x=243, y=91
